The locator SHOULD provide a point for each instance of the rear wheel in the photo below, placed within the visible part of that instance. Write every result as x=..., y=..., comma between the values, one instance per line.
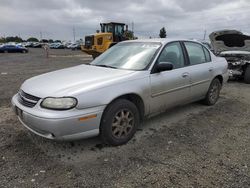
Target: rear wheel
x=213, y=92
x=119, y=122
x=5, y=51
x=24, y=51
x=247, y=75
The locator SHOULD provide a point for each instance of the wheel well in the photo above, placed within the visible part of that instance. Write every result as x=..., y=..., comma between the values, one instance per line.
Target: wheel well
x=220, y=78
x=137, y=100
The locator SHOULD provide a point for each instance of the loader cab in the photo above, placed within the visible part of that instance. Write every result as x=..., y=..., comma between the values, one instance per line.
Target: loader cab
x=117, y=30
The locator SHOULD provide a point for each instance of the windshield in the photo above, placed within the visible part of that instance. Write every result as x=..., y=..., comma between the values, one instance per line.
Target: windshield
x=130, y=55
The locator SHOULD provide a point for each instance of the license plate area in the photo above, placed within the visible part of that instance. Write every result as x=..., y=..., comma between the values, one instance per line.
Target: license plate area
x=19, y=112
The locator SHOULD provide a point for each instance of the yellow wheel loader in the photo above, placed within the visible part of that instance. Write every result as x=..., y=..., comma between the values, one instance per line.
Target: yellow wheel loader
x=110, y=34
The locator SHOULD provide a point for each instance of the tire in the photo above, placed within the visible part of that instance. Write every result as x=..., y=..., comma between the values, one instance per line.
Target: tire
x=119, y=122
x=247, y=75
x=213, y=92
x=24, y=51
x=5, y=51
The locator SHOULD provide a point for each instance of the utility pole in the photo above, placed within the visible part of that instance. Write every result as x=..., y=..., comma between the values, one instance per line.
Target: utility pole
x=205, y=33
x=133, y=30
x=41, y=35
x=74, y=33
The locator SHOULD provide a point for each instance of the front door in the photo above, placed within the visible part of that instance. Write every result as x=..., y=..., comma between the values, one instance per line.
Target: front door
x=172, y=87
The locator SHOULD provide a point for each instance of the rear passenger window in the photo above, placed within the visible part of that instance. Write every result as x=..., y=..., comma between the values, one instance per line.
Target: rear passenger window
x=195, y=53
x=207, y=55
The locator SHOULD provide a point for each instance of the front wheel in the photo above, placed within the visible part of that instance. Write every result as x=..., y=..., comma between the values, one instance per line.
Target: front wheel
x=247, y=75
x=119, y=122
x=213, y=92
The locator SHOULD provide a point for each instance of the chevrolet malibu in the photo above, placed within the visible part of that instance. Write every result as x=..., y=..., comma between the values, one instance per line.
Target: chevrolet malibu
x=115, y=92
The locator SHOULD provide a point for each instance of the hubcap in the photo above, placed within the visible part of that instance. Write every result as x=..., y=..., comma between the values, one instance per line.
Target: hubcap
x=214, y=92
x=122, y=124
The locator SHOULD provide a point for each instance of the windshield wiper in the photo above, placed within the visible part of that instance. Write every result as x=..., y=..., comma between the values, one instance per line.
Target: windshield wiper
x=106, y=66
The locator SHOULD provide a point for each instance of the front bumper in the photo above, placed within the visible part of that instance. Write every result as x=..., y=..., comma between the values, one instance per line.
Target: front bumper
x=59, y=125
x=235, y=73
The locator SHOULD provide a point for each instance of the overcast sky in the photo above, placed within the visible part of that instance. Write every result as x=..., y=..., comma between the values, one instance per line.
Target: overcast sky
x=182, y=18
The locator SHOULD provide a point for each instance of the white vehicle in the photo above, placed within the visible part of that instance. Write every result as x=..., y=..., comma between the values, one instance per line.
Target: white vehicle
x=110, y=96
x=235, y=47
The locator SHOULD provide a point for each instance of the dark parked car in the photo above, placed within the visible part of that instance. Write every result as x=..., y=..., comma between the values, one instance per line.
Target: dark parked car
x=12, y=49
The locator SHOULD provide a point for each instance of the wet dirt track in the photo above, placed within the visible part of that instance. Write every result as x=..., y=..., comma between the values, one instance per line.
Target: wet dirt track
x=189, y=146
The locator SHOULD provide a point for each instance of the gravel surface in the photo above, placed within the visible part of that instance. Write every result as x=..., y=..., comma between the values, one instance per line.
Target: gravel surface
x=188, y=146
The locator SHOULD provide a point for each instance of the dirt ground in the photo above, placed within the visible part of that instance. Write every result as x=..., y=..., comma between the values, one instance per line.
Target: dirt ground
x=189, y=146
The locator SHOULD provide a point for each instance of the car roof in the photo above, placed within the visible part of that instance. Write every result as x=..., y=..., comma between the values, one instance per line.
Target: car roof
x=161, y=40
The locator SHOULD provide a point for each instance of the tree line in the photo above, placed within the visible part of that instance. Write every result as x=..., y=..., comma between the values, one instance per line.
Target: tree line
x=162, y=34
x=19, y=39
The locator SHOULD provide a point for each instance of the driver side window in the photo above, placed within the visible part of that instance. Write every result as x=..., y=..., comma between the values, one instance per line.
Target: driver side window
x=172, y=53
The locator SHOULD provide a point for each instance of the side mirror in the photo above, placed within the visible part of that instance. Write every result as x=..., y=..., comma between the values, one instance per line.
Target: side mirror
x=164, y=66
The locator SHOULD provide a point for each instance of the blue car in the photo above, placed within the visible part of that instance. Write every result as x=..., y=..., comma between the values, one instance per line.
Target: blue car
x=12, y=49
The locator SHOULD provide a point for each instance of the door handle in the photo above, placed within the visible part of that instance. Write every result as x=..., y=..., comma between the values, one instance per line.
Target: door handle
x=184, y=75
x=211, y=69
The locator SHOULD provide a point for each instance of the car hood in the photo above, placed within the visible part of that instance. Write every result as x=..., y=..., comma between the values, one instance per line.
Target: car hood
x=229, y=40
x=71, y=81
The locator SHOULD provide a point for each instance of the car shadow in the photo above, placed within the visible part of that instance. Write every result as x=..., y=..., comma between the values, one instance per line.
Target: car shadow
x=93, y=148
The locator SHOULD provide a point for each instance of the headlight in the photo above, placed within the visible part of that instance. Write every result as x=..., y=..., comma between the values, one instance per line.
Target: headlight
x=64, y=103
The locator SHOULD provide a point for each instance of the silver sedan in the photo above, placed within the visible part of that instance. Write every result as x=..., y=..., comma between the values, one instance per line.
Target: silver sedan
x=114, y=93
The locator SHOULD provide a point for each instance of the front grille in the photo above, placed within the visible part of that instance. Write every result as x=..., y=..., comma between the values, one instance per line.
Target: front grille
x=89, y=41
x=27, y=99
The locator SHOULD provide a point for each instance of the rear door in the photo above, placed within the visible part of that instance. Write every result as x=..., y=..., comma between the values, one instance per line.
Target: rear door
x=200, y=69
x=172, y=87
